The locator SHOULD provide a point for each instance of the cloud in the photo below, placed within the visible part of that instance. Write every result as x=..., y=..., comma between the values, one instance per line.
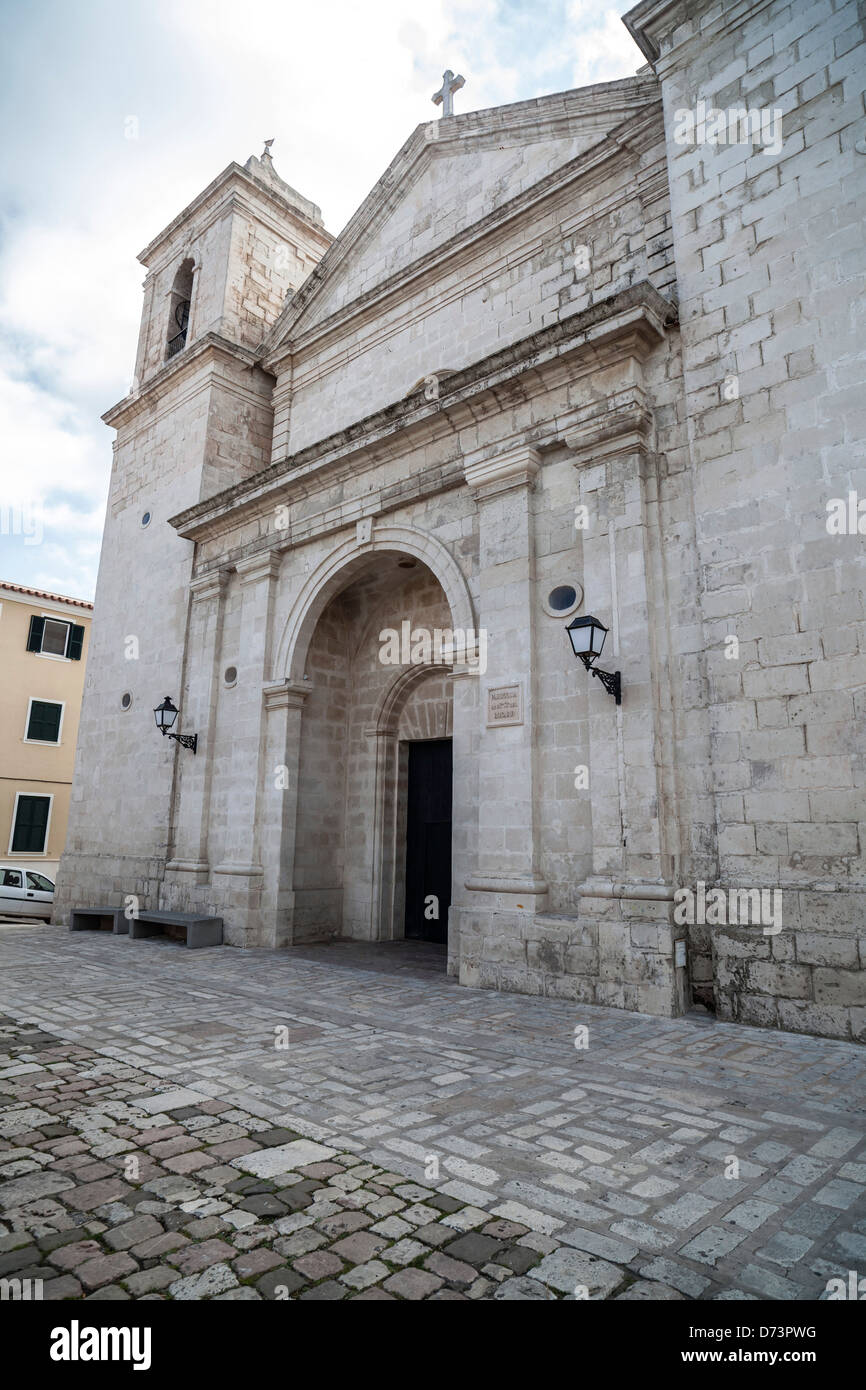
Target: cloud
x=55, y=475
x=131, y=110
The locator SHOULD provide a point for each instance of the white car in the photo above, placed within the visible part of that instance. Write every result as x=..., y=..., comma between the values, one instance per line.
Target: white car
x=25, y=893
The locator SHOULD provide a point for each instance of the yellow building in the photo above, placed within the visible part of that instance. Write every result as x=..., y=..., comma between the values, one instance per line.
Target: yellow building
x=43, y=654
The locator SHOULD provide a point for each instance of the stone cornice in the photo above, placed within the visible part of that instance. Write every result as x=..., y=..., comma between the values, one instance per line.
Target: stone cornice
x=651, y=22
x=210, y=585
x=285, y=694
x=629, y=324
x=631, y=137
x=623, y=425
x=233, y=180
x=258, y=567
x=488, y=474
x=209, y=346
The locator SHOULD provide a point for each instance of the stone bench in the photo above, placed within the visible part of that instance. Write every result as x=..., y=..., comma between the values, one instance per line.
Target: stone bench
x=99, y=919
x=189, y=927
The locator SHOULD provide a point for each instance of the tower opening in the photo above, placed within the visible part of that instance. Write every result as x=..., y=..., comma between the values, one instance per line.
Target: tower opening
x=179, y=304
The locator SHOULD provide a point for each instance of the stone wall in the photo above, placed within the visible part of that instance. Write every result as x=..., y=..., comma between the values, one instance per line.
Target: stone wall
x=189, y=428
x=648, y=392
x=596, y=223
x=770, y=262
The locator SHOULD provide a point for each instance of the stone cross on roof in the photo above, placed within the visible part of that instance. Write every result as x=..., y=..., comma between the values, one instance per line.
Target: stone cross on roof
x=445, y=96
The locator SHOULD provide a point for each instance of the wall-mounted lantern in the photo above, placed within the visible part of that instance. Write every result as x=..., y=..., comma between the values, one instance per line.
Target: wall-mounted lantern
x=165, y=715
x=587, y=639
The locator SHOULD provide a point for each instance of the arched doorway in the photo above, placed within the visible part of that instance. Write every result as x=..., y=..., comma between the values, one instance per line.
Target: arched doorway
x=375, y=692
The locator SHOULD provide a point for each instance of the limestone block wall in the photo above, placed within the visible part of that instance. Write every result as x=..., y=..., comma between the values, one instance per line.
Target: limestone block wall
x=268, y=259
x=770, y=265
x=189, y=428
x=208, y=246
x=249, y=246
x=551, y=258
x=523, y=946
x=470, y=166
x=119, y=816
x=319, y=857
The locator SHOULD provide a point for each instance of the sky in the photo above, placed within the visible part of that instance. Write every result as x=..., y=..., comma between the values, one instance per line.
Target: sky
x=116, y=113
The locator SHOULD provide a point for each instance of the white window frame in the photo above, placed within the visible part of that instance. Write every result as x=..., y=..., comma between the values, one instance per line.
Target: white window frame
x=32, y=853
x=55, y=656
x=45, y=742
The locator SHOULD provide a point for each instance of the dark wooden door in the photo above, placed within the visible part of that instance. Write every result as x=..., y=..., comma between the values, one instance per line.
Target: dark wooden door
x=428, y=841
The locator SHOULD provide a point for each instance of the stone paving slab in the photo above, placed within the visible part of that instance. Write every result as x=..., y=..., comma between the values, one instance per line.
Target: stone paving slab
x=162, y=1237
x=703, y=1159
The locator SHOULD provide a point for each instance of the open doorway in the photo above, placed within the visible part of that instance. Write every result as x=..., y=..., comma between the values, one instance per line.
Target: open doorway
x=428, y=841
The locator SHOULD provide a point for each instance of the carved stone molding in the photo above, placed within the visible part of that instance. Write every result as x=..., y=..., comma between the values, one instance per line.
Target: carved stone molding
x=208, y=586
x=285, y=694
x=257, y=567
x=618, y=427
x=488, y=474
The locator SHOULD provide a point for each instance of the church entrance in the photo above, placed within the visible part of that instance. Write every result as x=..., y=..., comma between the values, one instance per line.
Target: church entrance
x=371, y=854
x=428, y=841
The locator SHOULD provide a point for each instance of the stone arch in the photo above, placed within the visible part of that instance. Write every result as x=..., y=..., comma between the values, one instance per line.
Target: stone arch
x=180, y=307
x=336, y=570
x=386, y=719
x=389, y=797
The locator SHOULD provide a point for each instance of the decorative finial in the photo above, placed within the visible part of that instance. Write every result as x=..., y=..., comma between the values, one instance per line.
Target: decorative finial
x=266, y=152
x=445, y=96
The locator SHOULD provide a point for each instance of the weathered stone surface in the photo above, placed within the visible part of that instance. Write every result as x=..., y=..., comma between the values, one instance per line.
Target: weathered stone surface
x=104, y=1269
x=283, y=1158
x=636, y=1166
x=32, y=1188
x=523, y=1290
x=217, y=1278
x=644, y=1289
x=569, y=1271
x=413, y=1283
x=521, y=407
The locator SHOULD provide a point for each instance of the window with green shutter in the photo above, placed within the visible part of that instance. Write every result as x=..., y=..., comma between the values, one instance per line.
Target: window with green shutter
x=44, y=721
x=31, y=824
x=54, y=637
x=34, y=636
x=76, y=642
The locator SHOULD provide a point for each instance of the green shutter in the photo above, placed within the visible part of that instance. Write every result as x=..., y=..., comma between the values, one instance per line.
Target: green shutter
x=34, y=636
x=31, y=822
x=76, y=642
x=44, y=722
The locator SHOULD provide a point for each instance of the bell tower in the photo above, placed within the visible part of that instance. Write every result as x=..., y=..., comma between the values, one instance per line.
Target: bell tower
x=199, y=418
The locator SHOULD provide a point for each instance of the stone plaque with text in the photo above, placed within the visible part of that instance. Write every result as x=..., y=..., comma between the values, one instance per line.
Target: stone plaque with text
x=504, y=705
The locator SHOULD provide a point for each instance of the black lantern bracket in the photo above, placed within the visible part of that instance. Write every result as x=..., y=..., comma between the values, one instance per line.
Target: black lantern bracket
x=611, y=682
x=587, y=635
x=165, y=716
x=190, y=741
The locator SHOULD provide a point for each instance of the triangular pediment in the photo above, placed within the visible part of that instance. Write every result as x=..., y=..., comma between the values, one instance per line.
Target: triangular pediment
x=448, y=177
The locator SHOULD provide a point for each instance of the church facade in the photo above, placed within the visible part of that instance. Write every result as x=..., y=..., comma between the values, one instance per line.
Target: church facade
x=599, y=354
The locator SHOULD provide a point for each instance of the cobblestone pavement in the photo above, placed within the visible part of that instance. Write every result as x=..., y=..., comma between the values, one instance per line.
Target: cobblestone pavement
x=667, y=1158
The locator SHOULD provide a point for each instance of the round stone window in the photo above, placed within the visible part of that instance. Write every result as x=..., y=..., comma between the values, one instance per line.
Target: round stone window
x=126, y=700
x=230, y=675
x=563, y=600
x=145, y=519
